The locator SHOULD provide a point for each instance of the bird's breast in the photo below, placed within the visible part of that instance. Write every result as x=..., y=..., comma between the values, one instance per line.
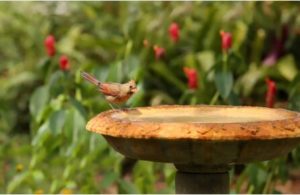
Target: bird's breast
x=118, y=99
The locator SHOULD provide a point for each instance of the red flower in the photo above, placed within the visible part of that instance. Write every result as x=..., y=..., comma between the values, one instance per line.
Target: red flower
x=226, y=38
x=50, y=45
x=191, y=74
x=159, y=51
x=271, y=93
x=174, y=32
x=64, y=64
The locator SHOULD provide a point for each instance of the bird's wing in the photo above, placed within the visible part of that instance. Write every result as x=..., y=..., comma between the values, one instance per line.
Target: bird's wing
x=110, y=89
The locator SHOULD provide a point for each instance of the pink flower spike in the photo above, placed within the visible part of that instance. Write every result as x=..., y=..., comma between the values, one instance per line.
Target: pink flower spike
x=174, y=32
x=50, y=45
x=64, y=64
x=192, y=76
x=271, y=93
x=226, y=39
x=159, y=52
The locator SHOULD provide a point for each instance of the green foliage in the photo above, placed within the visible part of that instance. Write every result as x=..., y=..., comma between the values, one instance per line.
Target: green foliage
x=224, y=82
x=44, y=146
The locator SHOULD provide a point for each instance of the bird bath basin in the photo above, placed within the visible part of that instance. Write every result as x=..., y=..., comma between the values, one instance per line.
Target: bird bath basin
x=201, y=141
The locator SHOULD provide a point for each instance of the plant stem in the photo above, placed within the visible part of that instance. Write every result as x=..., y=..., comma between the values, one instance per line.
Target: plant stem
x=214, y=99
x=225, y=59
x=268, y=184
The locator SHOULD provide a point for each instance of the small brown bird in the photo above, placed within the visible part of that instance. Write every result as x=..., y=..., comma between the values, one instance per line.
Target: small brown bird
x=114, y=92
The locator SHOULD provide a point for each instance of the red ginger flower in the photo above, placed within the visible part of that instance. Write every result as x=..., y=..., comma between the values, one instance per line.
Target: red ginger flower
x=271, y=93
x=159, y=51
x=64, y=64
x=50, y=45
x=174, y=32
x=226, y=38
x=191, y=74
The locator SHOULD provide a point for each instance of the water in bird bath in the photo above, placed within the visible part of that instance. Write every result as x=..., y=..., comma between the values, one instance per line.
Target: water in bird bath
x=207, y=115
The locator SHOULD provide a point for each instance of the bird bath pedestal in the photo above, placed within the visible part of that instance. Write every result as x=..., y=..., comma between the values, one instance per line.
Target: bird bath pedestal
x=201, y=141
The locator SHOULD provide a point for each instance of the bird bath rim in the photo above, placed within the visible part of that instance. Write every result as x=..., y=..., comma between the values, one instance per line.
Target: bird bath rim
x=129, y=123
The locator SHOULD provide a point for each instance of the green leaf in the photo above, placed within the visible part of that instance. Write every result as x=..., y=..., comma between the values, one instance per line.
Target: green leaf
x=69, y=123
x=44, y=63
x=193, y=100
x=79, y=107
x=248, y=81
x=55, y=78
x=236, y=62
x=160, y=97
x=38, y=101
x=19, y=80
x=294, y=102
x=128, y=48
x=116, y=72
x=185, y=96
x=38, y=176
x=224, y=83
x=78, y=123
x=42, y=134
x=55, y=185
x=165, y=72
x=206, y=59
x=133, y=68
x=126, y=187
x=79, y=120
x=16, y=182
x=68, y=42
x=287, y=67
x=108, y=179
x=240, y=34
x=69, y=169
x=56, y=121
x=190, y=60
x=233, y=99
x=295, y=86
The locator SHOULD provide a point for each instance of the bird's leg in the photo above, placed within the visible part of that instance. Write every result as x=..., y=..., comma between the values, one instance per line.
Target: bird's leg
x=125, y=107
x=111, y=106
x=119, y=107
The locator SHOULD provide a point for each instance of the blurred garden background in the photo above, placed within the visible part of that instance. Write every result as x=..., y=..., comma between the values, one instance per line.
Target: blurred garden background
x=229, y=53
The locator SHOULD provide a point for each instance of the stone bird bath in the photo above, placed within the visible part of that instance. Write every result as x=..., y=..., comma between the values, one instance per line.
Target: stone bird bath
x=201, y=141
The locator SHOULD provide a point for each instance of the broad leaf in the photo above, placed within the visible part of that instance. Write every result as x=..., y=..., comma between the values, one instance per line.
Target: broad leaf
x=42, y=134
x=108, y=179
x=116, y=72
x=206, y=60
x=224, y=83
x=56, y=121
x=287, y=67
x=79, y=107
x=38, y=101
x=294, y=102
x=126, y=187
x=16, y=182
x=166, y=73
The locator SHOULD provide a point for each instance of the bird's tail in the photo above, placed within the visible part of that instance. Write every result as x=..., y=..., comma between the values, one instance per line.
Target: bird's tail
x=90, y=78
